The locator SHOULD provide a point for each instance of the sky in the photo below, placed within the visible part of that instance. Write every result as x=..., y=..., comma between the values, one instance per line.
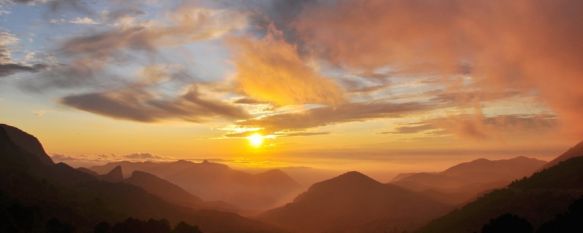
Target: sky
x=376, y=85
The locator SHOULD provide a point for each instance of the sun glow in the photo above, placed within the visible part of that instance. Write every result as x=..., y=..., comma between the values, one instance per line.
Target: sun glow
x=255, y=140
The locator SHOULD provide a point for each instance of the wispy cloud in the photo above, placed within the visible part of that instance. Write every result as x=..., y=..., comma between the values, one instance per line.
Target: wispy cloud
x=7, y=64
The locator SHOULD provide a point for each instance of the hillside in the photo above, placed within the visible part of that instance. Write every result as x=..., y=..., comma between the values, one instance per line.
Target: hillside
x=28, y=178
x=353, y=202
x=537, y=199
x=463, y=182
x=218, y=182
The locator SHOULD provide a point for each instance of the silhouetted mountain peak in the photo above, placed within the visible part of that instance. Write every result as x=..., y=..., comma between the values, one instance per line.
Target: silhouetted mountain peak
x=275, y=172
x=115, y=175
x=206, y=163
x=351, y=201
x=354, y=175
x=182, y=161
x=352, y=179
x=141, y=174
x=27, y=143
x=162, y=188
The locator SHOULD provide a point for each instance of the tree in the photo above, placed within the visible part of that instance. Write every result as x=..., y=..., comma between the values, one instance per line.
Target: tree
x=508, y=223
x=132, y=225
x=185, y=228
x=570, y=222
x=102, y=227
x=56, y=226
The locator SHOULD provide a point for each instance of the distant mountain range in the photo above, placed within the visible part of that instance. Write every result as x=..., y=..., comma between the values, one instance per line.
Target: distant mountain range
x=463, y=182
x=161, y=188
x=353, y=202
x=538, y=199
x=356, y=203
x=36, y=194
x=30, y=181
x=218, y=182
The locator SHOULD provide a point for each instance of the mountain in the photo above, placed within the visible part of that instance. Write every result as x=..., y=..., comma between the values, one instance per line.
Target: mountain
x=114, y=176
x=163, y=189
x=465, y=181
x=537, y=199
x=88, y=171
x=27, y=143
x=30, y=181
x=575, y=151
x=353, y=202
x=218, y=182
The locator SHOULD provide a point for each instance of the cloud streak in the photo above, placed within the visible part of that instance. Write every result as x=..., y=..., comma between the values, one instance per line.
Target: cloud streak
x=139, y=102
x=140, y=105
x=327, y=115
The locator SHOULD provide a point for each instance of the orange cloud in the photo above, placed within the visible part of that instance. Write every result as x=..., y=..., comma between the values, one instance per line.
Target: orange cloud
x=270, y=69
x=528, y=45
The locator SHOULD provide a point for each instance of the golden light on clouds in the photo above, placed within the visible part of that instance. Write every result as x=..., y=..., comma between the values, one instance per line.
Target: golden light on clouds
x=270, y=69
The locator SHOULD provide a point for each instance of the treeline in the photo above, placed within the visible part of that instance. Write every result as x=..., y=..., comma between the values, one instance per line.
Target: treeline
x=16, y=218
x=568, y=222
x=132, y=225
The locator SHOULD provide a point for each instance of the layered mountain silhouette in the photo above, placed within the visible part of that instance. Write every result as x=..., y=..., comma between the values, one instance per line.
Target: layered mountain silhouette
x=173, y=193
x=354, y=202
x=28, y=178
x=536, y=199
x=163, y=189
x=465, y=181
x=115, y=175
x=218, y=182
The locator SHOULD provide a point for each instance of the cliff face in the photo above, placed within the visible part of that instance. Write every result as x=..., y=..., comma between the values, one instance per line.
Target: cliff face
x=15, y=139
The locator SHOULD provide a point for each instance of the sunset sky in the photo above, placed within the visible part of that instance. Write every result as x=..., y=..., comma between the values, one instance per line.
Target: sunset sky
x=393, y=85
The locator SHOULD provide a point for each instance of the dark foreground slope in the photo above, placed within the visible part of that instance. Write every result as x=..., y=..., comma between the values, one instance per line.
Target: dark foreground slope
x=29, y=178
x=537, y=199
x=354, y=202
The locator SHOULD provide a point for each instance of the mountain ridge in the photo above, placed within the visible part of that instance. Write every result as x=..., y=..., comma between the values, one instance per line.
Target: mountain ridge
x=464, y=181
x=58, y=190
x=218, y=182
x=537, y=198
x=351, y=201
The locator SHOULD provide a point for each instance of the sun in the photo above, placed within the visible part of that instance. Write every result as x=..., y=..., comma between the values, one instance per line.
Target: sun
x=255, y=140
